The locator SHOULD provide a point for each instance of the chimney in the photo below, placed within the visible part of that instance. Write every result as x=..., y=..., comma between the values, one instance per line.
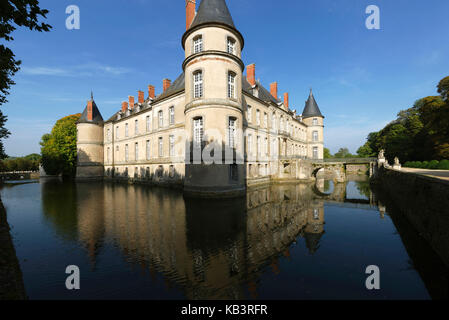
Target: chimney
x=251, y=74
x=190, y=12
x=124, y=106
x=151, y=92
x=89, y=111
x=165, y=84
x=131, y=102
x=286, y=100
x=274, y=89
x=141, y=97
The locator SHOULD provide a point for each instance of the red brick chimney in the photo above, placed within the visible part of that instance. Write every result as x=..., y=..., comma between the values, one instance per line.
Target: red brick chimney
x=190, y=12
x=141, y=97
x=251, y=74
x=274, y=89
x=165, y=84
x=151, y=92
x=286, y=100
x=131, y=102
x=124, y=106
x=89, y=111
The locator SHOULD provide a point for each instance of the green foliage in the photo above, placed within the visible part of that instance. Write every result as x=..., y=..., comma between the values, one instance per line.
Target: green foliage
x=343, y=153
x=443, y=165
x=418, y=133
x=59, y=148
x=434, y=164
x=327, y=153
x=27, y=163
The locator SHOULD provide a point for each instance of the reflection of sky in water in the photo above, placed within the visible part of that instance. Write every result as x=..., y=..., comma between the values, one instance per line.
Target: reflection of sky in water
x=354, y=190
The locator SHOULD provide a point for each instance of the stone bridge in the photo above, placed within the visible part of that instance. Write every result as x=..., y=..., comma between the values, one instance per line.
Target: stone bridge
x=339, y=169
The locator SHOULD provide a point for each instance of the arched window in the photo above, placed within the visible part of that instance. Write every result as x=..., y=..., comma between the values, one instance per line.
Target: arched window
x=198, y=130
x=231, y=85
x=172, y=115
x=231, y=46
x=198, y=84
x=250, y=114
x=161, y=118
x=315, y=136
x=197, y=44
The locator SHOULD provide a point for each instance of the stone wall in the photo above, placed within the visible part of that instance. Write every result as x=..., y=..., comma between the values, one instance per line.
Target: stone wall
x=424, y=201
x=11, y=282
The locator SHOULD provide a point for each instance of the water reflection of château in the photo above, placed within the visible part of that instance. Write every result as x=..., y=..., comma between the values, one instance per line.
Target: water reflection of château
x=207, y=248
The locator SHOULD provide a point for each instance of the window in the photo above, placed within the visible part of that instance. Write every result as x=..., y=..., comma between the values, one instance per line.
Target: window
x=108, y=136
x=126, y=130
x=116, y=133
x=148, y=150
x=258, y=145
x=250, y=114
x=273, y=121
x=316, y=214
x=232, y=129
x=126, y=153
x=161, y=147
x=136, y=151
x=281, y=124
x=233, y=172
x=315, y=121
x=315, y=152
x=231, y=46
x=265, y=120
x=109, y=155
x=172, y=146
x=197, y=44
x=161, y=118
x=265, y=146
x=315, y=136
x=231, y=85
x=250, y=144
x=148, y=123
x=197, y=132
x=198, y=84
x=172, y=115
x=136, y=127
x=258, y=117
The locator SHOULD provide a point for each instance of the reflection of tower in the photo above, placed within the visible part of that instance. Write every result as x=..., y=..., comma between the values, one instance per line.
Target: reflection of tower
x=213, y=112
x=90, y=143
x=315, y=227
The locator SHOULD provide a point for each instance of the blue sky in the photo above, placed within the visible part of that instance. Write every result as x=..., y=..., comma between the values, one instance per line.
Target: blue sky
x=361, y=78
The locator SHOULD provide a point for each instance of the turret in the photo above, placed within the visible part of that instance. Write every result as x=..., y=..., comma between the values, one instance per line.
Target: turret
x=314, y=120
x=213, y=84
x=90, y=140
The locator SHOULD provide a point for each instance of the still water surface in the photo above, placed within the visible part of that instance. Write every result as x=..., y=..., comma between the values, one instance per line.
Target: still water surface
x=135, y=242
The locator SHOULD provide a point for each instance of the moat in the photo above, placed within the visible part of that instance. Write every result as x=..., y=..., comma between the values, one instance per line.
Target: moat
x=292, y=241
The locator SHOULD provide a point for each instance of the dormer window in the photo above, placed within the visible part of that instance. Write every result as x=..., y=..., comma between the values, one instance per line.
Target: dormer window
x=315, y=121
x=231, y=46
x=197, y=44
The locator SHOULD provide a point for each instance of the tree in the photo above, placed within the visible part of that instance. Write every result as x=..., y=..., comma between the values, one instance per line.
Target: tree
x=22, y=13
x=327, y=153
x=443, y=88
x=59, y=150
x=343, y=153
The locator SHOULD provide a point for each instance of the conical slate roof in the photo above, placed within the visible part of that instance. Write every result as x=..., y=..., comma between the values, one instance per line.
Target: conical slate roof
x=213, y=11
x=311, y=109
x=96, y=115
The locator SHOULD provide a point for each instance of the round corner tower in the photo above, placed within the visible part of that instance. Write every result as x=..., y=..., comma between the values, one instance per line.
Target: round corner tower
x=213, y=91
x=314, y=120
x=90, y=139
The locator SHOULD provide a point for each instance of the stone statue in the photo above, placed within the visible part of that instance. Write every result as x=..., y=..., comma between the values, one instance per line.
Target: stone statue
x=381, y=154
x=381, y=161
x=397, y=164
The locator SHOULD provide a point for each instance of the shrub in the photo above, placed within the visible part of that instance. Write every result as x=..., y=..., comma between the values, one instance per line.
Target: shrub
x=443, y=165
x=408, y=164
x=433, y=164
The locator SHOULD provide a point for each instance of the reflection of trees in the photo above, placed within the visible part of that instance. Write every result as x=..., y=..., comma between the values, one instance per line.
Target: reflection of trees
x=59, y=205
x=364, y=188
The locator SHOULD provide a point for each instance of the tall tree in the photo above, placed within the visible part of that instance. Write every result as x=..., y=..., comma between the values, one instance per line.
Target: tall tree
x=13, y=14
x=59, y=148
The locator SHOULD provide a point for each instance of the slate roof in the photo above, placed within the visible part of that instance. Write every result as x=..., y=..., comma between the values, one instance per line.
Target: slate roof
x=96, y=115
x=177, y=86
x=264, y=94
x=311, y=109
x=213, y=11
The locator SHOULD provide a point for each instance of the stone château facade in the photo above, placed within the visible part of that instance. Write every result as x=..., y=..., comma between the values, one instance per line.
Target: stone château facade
x=213, y=130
